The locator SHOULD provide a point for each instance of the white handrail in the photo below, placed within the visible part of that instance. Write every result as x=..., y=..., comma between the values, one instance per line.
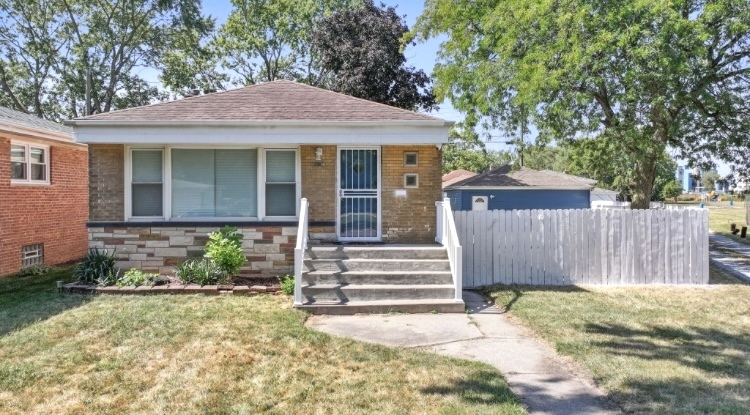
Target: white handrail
x=299, y=250
x=448, y=237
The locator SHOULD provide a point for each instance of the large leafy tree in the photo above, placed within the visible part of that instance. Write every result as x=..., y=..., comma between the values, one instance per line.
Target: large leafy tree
x=362, y=51
x=465, y=151
x=48, y=48
x=643, y=75
x=265, y=40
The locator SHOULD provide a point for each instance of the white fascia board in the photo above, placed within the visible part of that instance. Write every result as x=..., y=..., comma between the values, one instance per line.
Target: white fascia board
x=519, y=188
x=206, y=134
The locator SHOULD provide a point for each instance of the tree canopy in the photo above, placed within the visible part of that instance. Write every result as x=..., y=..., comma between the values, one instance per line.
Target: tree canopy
x=642, y=75
x=361, y=48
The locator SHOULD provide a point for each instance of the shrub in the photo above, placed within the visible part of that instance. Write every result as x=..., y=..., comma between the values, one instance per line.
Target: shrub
x=671, y=190
x=97, y=267
x=34, y=271
x=201, y=271
x=225, y=249
x=136, y=278
x=287, y=284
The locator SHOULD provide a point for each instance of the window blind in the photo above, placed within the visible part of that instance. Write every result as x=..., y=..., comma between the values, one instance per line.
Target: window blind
x=147, y=186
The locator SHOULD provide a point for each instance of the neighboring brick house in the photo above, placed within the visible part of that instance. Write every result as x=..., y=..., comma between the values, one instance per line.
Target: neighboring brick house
x=43, y=193
x=163, y=175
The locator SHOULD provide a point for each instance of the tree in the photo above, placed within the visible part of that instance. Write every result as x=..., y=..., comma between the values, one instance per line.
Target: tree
x=465, y=151
x=47, y=48
x=671, y=190
x=643, y=75
x=361, y=48
x=265, y=40
x=709, y=180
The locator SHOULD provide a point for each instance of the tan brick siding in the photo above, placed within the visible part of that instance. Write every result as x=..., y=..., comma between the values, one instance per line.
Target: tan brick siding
x=269, y=249
x=53, y=215
x=410, y=218
x=107, y=182
x=319, y=182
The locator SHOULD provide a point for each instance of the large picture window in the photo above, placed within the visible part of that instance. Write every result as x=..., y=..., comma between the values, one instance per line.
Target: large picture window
x=214, y=183
x=29, y=163
x=281, y=182
x=147, y=184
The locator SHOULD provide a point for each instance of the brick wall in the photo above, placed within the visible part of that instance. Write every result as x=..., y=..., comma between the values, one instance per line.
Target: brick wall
x=409, y=213
x=107, y=182
x=269, y=249
x=54, y=215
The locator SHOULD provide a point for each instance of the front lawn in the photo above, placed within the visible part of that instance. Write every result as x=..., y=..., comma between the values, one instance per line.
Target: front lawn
x=74, y=354
x=672, y=350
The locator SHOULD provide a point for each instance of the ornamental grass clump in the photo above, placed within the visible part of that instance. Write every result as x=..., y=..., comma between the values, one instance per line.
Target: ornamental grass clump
x=201, y=271
x=225, y=249
x=97, y=267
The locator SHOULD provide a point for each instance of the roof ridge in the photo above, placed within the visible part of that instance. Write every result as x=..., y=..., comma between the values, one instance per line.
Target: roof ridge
x=362, y=99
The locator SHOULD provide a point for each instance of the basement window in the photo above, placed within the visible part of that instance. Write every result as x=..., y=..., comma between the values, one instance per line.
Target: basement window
x=411, y=180
x=32, y=255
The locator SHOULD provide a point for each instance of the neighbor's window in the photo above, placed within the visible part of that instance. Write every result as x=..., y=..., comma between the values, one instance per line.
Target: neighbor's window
x=214, y=183
x=281, y=182
x=147, y=183
x=411, y=159
x=29, y=163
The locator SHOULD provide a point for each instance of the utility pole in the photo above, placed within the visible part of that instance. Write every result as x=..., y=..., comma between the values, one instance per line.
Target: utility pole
x=88, y=92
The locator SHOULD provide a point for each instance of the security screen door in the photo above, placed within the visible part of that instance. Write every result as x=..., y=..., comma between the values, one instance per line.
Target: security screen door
x=358, y=204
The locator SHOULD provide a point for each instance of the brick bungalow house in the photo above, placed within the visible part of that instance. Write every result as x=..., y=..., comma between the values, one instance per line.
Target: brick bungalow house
x=43, y=193
x=163, y=175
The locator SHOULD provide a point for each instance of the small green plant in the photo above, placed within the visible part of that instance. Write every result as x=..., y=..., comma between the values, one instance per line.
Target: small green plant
x=287, y=284
x=136, y=277
x=202, y=271
x=34, y=271
x=97, y=267
x=225, y=249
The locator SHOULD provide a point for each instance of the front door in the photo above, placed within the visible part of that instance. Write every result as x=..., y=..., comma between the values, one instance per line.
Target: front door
x=358, y=204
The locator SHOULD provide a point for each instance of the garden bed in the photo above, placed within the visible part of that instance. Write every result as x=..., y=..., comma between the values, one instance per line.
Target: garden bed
x=79, y=288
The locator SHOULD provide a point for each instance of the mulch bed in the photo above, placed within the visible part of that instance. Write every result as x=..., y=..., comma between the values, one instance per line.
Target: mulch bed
x=173, y=289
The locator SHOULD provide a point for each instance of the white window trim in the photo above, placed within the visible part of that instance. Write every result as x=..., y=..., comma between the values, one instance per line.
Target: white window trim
x=262, y=179
x=167, y=184
x=47, y=164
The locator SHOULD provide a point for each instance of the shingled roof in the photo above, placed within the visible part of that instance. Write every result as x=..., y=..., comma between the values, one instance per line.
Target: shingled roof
x=505, y=176
x=272, y=101
x=21, y=119
x=456, y=176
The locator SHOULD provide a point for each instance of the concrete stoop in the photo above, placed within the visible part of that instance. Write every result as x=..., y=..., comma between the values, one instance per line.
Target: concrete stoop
x=378, y=279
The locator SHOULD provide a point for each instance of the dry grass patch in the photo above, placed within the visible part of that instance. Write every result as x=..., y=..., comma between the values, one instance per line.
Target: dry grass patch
x=671, y=350
x=214, y=354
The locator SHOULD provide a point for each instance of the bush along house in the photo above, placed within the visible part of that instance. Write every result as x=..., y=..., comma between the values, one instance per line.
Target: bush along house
x=43, y=193
x=338, y=190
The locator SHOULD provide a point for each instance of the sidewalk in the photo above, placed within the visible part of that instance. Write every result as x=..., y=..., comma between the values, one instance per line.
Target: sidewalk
x=738, y=266
x=533, y=371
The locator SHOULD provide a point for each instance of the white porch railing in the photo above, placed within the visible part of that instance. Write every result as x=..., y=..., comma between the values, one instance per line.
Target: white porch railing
x=448, y=237
x=299, y=250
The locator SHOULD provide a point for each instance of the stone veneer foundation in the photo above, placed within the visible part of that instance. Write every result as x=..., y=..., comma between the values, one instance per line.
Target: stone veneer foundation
x=269, y=249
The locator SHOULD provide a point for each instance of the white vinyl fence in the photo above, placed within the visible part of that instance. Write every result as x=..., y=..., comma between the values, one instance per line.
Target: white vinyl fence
x=593, y=246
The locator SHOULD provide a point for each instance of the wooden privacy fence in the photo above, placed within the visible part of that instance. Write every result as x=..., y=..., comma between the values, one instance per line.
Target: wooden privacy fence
x=601, y=246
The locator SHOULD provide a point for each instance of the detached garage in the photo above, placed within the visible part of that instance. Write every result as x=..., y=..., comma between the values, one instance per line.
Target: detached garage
x=506, y=189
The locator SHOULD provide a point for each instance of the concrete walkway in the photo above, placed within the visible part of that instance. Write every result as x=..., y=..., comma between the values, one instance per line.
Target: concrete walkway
x=534, y=372
x=739, y=267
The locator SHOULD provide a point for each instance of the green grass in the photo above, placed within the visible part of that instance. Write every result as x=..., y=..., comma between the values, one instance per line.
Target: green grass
x=665, y=350
x=76, y=354
x=719, y=220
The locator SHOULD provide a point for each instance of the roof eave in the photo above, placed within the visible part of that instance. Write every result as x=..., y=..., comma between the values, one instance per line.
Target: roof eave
x=256, y=123
x=36, y=132
x=518, y=188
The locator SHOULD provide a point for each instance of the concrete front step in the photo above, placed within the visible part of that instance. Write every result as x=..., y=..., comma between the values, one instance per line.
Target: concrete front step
x=378, y=252
x=389, y=265
x=378, y=277
x=390, y=306
x=359, y=292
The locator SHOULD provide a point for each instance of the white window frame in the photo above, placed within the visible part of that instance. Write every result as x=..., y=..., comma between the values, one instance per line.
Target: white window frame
x=416, y=158
x=129, y=184
x=27, y=181
x=167, y=183
x=262, y=184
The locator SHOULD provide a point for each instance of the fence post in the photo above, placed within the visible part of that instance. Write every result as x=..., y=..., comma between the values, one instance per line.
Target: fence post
x=439, y=222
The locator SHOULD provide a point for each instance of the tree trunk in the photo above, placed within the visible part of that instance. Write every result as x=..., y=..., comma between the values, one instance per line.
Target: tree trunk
x=643, y=181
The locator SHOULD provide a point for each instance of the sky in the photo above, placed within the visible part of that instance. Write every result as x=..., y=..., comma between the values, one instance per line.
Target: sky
x=422, y=56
